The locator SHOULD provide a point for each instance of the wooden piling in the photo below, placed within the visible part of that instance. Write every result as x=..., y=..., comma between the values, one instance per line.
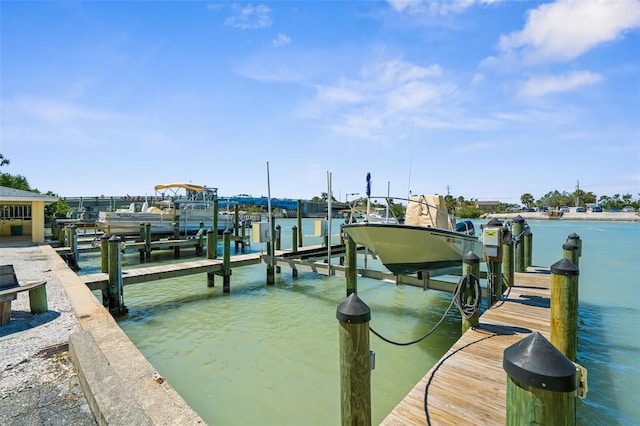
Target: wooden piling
x=299, y=210
x=115, y=289
x=470, y=267
x=294, y=248
x=508, y=261
x=518, y=229
x=212, y=240
x=528, y=248
x=576, y=239
x=570, y=252
x=355, y=361
x=352, y=267
x=214, y=251
x=142, y=237
x=564, y=308
x=494, y=275
x=73, y=245
x=243, y=234
x=104, y=253
x=147, y=241
x=200, y=235
x=271, y=278
x=61, y=235
x=176, y=235
x=278, y=245
x=55, y=228
x=541, y=384
x=38, y=300
x=226, y=261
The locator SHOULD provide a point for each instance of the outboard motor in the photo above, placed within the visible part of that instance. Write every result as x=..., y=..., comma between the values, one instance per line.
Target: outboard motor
x=466, y=227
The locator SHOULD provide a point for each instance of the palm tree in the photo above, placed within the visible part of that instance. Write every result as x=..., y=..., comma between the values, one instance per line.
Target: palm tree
x=4, y=161
x=527, y=199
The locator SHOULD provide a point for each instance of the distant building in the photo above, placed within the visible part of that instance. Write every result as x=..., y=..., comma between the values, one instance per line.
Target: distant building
x=22, y=212
x=486, y=205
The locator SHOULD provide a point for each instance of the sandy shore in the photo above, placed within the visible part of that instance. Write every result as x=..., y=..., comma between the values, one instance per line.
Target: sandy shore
x=38, y=382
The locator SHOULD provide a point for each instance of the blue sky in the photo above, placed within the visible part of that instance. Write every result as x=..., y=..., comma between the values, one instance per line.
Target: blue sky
x=484, y=99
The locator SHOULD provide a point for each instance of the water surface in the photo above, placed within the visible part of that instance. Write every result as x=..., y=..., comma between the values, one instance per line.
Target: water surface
x=268, y=355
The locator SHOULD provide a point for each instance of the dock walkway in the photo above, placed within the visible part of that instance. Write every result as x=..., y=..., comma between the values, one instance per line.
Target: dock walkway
x=100, y=281
x=468, y=385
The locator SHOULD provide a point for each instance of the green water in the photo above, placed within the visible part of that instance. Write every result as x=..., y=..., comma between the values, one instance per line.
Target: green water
x=269, y=355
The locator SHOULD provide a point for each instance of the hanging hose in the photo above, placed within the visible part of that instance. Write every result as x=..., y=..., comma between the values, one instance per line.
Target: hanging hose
x=467, y=282
x=468, y=295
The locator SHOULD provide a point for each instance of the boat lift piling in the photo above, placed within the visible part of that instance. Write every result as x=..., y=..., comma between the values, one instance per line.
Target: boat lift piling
x=541, y=383
x=564, y=307
x=226, y=266
x=518, y=229
x=508, y=263
x=114, y=298
x=104, y=253
x=470, y=267
x=294, y=248
x=278, y=245
x=356, y=361
x=351, y=272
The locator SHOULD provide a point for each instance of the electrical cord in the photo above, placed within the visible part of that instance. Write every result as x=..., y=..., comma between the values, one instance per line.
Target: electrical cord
x=467, y=310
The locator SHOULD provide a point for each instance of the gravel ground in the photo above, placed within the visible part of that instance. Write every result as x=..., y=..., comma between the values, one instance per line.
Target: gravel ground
x=38, y=383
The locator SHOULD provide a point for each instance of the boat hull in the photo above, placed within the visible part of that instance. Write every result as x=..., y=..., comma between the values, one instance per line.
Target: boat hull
x=127, y=223
x=407, y=249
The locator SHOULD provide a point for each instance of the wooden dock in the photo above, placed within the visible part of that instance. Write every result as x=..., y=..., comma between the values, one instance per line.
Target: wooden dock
x=468, y=385
x=302, y=259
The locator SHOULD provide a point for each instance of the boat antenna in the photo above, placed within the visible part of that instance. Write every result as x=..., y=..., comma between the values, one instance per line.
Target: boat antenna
x=368, y=193
x=410, y=159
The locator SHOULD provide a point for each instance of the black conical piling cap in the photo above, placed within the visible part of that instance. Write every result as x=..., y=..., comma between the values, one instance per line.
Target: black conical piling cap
x=105, y=236
x=535, y=362
x=114, y=238
x=494, y=222
x=574, y=236
x=353, y=310
x=570, y=245
x=518, y=219
x=470, y=258
x=564, y=267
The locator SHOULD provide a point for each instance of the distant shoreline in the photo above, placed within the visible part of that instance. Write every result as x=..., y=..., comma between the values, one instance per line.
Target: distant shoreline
x=603, y=216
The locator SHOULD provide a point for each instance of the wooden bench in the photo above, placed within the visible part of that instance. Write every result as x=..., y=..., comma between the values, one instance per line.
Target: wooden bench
x=9, y=289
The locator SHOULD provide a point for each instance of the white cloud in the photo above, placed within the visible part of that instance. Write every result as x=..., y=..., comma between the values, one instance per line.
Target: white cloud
x=540, y=86
x=435, y=7
x=477, y=78
x=339, y=95
x=53, y=111
x=566, y=29
x=384, y=93
x=250, y=17
x=281, y=40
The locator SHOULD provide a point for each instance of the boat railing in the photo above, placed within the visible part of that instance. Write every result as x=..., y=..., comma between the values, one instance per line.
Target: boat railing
x=430, y=209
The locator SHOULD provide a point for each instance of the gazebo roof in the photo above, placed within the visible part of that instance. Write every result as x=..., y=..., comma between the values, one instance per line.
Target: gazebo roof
x=12, y=195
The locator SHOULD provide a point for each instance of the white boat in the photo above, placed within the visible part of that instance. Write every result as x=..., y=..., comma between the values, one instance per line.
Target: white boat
x=183, y=203
x=379, y=215
x=428, y=239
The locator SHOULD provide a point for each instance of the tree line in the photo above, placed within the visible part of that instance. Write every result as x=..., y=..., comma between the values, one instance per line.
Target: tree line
x=458, y=206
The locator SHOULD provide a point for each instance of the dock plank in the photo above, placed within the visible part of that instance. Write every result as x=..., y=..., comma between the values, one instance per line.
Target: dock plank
x=468, y=385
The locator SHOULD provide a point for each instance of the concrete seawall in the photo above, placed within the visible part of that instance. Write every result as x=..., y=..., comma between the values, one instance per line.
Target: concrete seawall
x=120, y=384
